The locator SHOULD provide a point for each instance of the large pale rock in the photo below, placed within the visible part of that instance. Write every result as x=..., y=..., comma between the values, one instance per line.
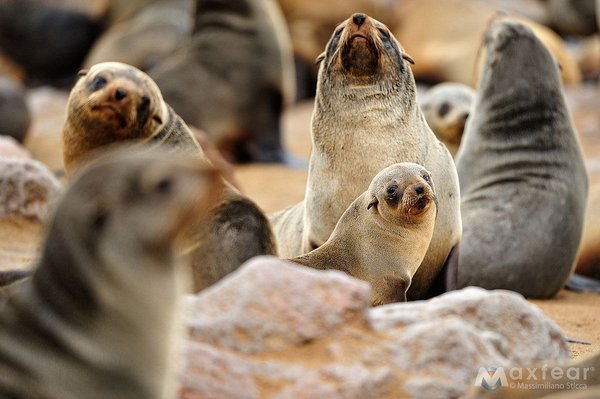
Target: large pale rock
x=277, y=330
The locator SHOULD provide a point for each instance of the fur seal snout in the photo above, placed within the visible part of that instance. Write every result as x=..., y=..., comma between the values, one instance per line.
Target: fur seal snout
x=383, y=236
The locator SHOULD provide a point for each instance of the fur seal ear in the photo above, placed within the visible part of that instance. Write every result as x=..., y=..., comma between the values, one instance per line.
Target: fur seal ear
x=157, y=119
x=373, y=202
x=82, y=72
x=320, y=58
x=408, y=58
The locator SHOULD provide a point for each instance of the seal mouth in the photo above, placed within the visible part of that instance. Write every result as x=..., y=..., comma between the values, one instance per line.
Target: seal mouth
x=114, y=114
x=360, y=56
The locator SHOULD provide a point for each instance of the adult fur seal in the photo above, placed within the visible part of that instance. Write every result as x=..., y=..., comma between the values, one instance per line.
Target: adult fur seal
x=233, y=78
x=115, y=102
x=98, y=318
x=384, y=234
x=522, y=175
x=366, y=118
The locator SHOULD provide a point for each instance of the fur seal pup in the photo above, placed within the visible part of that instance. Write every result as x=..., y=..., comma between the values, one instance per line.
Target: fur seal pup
x=366, y=118
x=383, y=236
x=233, y=77
x=446, y=107
x=115, y=102
x=99, y=317
x=523, y=179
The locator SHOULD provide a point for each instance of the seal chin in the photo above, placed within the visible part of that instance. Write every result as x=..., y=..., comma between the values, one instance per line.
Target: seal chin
x=360, y=56
x=110, y=113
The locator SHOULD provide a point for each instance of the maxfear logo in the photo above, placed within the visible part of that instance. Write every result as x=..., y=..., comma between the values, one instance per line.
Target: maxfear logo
x=491, y=378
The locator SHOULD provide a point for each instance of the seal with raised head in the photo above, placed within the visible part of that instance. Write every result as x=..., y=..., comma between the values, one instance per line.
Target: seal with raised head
x=383, y=236
x=366, y=118
x=446, y=107
x=99, y=316
x=233, y=78
x=116, y=102
x=522, y=176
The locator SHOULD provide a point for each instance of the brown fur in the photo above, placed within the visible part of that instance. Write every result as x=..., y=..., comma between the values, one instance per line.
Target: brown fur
x=97, y=118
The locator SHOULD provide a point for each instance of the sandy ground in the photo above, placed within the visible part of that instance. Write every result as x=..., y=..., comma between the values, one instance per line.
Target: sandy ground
x=275, y=187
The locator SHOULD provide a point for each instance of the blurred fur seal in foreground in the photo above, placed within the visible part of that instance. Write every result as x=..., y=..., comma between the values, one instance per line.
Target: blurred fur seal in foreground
x=523, y=179
x=233, y=78
x=115, y=102
x=366, y=118
x=98, y=318
x=383, y=236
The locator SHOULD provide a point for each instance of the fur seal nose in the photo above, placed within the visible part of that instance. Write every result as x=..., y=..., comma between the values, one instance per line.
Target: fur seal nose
x=120, y=93
x=419, y=188
x=359, y=18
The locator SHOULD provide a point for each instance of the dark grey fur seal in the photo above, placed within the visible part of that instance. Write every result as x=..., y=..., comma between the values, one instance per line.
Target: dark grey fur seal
x=233, y=78
x=522, y=176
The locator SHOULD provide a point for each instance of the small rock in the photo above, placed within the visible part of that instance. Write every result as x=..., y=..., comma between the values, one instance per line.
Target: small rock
x=27, y=188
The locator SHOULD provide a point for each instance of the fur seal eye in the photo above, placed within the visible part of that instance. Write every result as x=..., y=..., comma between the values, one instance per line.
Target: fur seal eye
x=83, y=72
x=99, y=220
x=98, y=83
x=384, y=32
x=157, y=119
x=444, y=109
x=427, y=178
x=164, y=185
x=392, y=191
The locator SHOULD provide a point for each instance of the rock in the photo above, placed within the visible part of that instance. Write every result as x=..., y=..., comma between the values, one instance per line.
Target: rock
x=9, y=147
x=27, y=188
x=277, y=330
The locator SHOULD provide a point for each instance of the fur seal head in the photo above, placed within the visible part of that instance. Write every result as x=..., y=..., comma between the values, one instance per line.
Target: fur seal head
x=364, y=50
x=402, y=194
x=512, y=46
x=111, y=102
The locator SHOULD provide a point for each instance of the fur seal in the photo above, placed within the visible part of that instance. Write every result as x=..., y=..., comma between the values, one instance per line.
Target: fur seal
x=146, y=37
x=234, y=77
x=523, y=179
x=49, y=42
x=99, y=317
x=446, y=107
x=383, y=236
x=115, y=102
x=366, y=118
x=14, y=114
